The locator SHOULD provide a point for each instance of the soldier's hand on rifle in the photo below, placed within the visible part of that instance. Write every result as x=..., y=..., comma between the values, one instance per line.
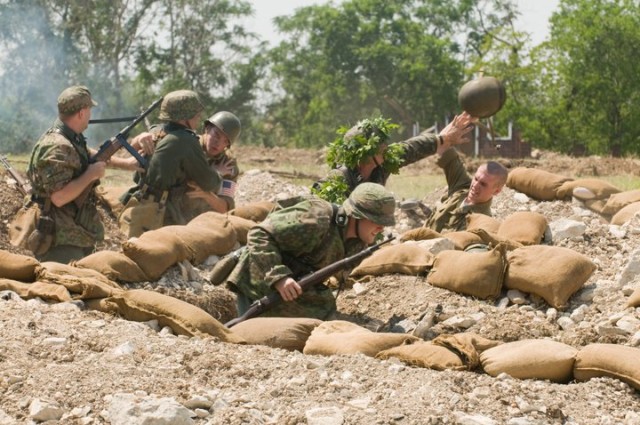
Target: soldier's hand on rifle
x=288, y=288
x=96, y=170
x=144, y=143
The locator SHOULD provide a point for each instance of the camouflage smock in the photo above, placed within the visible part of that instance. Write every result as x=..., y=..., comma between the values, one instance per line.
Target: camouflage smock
x=292, y=242
x=178, y=158
x=449, y=213
x=60, y=156
x=415, y=149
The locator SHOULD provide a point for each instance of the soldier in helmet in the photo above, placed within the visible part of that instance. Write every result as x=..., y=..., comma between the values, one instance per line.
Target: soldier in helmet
x=59, y=171
x=363, y=154
x=221, y=130
x=177, y=160
x=307, y=236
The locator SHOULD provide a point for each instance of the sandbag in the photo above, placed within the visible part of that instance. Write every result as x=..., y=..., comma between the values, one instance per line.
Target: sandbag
x=467, y=345
x=157, y=250
x=83, y=284
x=288, y=333
x=599, y=189
x=551, y=272
x=17, y=267
x=419, y=234
x=201, y=241
x=183, y=318
x=113, y=265
x=471, y=273
x=524, y=227
x=424, y=354
x=634, y=299
x=462, y=239
x=492, y=240
x=537, y=184
x=110, y=197
x=611, y=360
x=254, y=211
x=140, y=216
x=625, y=214
x=617, y=201
x=341, y=337
x=531, y=359
x=44, y=290
x=241, y=226
x=482, y=221
x=405, y=258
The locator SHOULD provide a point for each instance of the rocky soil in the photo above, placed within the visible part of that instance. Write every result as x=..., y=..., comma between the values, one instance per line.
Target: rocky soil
x=61, y=364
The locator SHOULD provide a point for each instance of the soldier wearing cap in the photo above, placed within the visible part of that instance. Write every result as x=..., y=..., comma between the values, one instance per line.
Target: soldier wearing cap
x=364, y=154
x=221, y=130
x=307, y=236
x=59, y=171
x=177, y=160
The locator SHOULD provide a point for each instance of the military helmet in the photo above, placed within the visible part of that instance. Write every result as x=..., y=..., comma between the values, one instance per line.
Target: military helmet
x=482, y=97
x=227, y=122
x=180, y=105
x=373, y=202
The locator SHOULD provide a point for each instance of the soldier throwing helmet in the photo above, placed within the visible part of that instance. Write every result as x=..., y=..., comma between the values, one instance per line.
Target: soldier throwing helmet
x=305, y=237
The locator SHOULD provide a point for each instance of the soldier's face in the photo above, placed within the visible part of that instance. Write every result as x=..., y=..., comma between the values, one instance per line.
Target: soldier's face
x=215, y=141
x=483, y=187
x=368, y=230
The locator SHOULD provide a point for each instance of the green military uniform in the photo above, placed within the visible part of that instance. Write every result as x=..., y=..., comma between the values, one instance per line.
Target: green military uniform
x=60, y=156
x=227, y=186
x=292, y=242
x=415, y=149
x=451, y=212
x=178, y=158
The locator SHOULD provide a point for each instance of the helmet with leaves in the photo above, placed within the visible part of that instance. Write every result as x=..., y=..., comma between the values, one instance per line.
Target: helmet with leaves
x=366, y=139
x=373, y=202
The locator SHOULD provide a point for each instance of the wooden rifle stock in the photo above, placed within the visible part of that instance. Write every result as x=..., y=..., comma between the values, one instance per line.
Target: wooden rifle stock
x=23, y=186
x=267, y=302
x=111, y=146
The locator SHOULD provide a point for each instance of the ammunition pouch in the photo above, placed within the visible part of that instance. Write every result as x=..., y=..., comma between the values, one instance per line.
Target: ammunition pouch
x=142, y=214
x=32, y=229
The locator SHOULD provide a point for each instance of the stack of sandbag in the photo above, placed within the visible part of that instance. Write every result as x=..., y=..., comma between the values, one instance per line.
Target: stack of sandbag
x=17, y=267
x=82, y=284
x=254, y=211
x=183, y=318
x=405, y=258
x=157, y=250
x=114, y=265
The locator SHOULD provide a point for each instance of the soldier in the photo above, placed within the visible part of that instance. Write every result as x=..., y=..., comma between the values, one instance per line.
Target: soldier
x=176, y=160
x=221, y=130
x=363, y=154
x=465, y=195
x=59, y=171
x=303, y=238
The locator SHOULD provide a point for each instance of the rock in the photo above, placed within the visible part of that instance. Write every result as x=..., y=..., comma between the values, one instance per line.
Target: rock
x=42, y=411
x=324, y=416
x=128, y=409
x=565, y=229
x=516, y=297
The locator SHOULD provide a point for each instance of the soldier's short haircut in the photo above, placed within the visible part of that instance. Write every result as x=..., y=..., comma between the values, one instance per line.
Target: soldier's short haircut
x=498, y=171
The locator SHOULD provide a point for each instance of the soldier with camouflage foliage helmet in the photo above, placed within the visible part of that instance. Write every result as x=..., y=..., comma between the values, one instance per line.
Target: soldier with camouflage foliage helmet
x=176, y=161
x=305, y=237
x=59, y=171
x=221, y=130
x=363, y=154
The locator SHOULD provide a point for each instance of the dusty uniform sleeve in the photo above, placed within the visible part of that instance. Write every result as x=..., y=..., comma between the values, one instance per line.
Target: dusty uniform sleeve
x=54, y=164
x=454, y=171
x=419, y=147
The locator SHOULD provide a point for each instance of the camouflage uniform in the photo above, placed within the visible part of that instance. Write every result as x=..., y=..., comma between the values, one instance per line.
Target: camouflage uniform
x=415, y=149
x=59, y=156
x=302, y=238
x=450, y=213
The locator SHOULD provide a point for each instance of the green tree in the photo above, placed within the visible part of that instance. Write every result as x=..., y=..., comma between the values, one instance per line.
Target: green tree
x=400, y=59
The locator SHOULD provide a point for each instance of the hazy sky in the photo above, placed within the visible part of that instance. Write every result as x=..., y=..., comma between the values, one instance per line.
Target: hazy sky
x=534, y=19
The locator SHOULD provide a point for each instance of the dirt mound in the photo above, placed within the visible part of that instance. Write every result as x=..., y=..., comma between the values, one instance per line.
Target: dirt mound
x=80, y=362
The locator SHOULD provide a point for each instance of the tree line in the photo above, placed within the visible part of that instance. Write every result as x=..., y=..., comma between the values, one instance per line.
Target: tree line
x=404, y=60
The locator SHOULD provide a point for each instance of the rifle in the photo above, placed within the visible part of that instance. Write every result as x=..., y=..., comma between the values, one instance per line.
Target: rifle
x=24, y=186
x=111, y=146
x=268, y=301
